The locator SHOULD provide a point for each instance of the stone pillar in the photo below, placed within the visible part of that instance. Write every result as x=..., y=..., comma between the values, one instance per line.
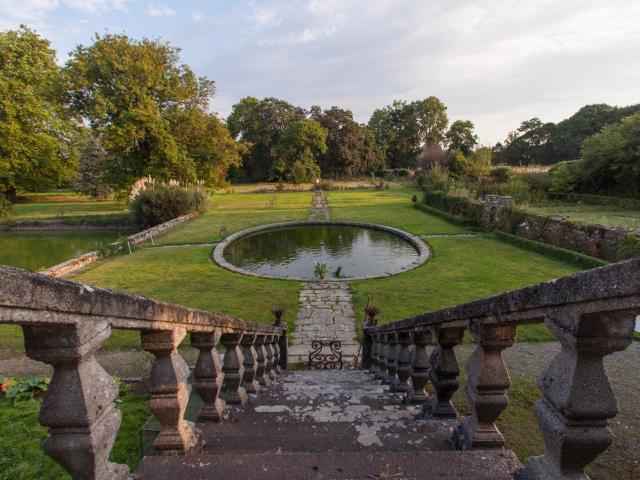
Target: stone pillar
x=268, y=370
x=78, y=407
x=169, y=391
x=577, y=398
x=382, y=358
x=403, y=362
x=283, y=347
x=261, y=365
x=277, y=370
x=444, y=373
x=420, y=368
x=233, y=369
x=249, y=381
x=207, y=377
x=392, y=354
x=487, y=384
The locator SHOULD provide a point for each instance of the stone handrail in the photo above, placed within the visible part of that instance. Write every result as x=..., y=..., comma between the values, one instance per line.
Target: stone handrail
x=592, y=314
x=65, y=323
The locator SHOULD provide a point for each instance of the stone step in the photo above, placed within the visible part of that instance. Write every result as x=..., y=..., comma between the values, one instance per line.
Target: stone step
x=445, y=465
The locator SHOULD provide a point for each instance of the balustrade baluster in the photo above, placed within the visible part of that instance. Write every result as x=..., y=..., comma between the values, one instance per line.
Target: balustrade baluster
x=207, y=377
x=419, y=368
x=382, y=358
x=261, y=376
x=78, y=408
x=577, y=398
x=233, y=369
x=277, y=370
x=249, y=381
x=269, y=370
x=375, y=348
x=169, y=391
x=392, y=354
x=444, y=373
x=486, y=386
x=403, y=362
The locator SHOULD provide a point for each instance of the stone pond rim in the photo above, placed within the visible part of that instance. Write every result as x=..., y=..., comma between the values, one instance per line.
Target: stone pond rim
x=423, y=250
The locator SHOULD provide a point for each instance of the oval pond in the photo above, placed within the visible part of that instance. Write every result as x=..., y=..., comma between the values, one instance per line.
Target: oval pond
x=294, y=251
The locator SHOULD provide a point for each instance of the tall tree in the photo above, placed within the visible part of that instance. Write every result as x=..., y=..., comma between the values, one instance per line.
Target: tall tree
x=431, y=118
x=259, y=124
x=302, y=142
x=91, y=169
x=137, y=96
x=37, y=137
x=460, y=136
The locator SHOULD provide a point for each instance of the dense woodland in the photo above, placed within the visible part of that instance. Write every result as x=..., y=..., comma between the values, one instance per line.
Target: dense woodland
x=120, y=109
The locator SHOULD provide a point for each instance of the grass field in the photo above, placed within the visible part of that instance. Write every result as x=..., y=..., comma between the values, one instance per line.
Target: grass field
x=65, y=205
x=583, y=213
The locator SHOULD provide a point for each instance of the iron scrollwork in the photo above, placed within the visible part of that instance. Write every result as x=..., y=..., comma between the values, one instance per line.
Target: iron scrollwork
x=326, y=360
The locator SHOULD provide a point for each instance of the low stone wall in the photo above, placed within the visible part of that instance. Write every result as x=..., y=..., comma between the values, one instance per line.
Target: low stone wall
x=600, y=241
x=70, y=266
x=150, y=233
x=77, y=263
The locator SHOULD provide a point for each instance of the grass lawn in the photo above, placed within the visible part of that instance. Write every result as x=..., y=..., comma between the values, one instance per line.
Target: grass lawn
x=462, y=269
x=231, y=212
x=583, y=213
x=387, y=207
x=65, y=205
x=20, y=443
x=182, y=275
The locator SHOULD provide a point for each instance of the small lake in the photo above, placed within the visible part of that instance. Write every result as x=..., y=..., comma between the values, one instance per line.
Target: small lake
x=294, y=251
x=37, y=250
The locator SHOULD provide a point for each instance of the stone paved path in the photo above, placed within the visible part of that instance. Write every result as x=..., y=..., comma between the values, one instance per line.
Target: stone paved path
x=319, y=207
x=326, y=313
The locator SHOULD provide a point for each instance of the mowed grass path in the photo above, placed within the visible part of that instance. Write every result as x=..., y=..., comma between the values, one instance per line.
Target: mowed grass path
x=387, y=207
x=64, y=205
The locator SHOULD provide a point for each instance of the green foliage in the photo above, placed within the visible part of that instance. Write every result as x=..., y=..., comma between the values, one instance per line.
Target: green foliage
x=563, y=178
x=502, y=174
x=449, y=217
x=20, y=389
x=91, y=166
x=158, y=202
x=402, y=129
x=611, y=159
x=350, y=146
x=259, y=124
x=320, y=270
x=150, y=111
x=630, y=245
x=437, y=178
x=301, y=143
x=37, y=137
x=460, y=136
x=457, y=162
x=574, y=258
x=479, y=164
x=337, y=273
x=6, y=207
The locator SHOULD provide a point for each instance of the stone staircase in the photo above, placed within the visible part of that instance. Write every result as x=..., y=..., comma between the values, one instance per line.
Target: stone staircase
x=329, y=424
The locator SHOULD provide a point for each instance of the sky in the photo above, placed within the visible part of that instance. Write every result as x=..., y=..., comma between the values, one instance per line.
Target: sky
x=495, y=62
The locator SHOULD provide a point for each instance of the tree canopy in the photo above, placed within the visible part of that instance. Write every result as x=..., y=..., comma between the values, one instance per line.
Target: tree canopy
x=460, y=136
x=37, y=136
x=150, y=111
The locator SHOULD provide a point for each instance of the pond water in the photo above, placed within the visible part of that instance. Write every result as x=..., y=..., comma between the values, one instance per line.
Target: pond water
x=294, y=251
x=38, y=250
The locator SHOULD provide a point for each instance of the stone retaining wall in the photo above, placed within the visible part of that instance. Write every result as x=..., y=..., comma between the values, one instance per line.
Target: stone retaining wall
x=149, y=233
x=70, y=266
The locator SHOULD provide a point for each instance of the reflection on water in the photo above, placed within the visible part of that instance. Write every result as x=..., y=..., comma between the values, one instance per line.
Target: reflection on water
x=294, y=251
x=37, y=250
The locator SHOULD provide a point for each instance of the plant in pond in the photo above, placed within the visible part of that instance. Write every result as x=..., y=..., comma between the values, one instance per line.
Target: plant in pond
x=320, y=270
x=338, y=272
x=278, y=312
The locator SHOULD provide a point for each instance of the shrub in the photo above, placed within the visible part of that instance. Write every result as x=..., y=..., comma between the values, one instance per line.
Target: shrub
x=563, y=179
x=437, y=178
x=158, y=202
x=403, y=172
x=6, y=207
x=325, y=185
x=502, y=174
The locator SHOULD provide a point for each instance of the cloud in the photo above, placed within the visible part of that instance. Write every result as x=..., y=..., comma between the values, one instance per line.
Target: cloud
x=159, y=10
x=197, y=17
x=27, y=10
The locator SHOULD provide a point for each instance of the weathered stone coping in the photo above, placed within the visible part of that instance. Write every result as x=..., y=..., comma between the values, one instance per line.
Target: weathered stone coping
x=72, y=265
x=33, y=298
x=424, y=252
x=613, y=288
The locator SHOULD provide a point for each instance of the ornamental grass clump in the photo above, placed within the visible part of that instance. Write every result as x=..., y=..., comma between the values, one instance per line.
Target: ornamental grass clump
x=154, y=202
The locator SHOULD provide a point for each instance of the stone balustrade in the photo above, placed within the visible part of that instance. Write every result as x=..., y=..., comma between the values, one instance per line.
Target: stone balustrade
x=592, y=314
x=65, y=323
